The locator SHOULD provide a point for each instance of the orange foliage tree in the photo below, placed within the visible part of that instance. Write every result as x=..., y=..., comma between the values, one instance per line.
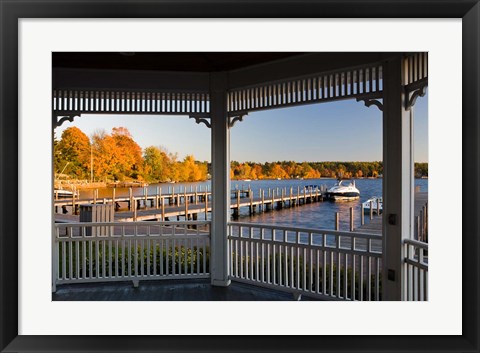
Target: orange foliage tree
x=72, y=153
x=116, y=156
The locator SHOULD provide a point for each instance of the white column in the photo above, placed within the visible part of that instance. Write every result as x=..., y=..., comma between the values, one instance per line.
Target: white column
x=398, y=179
x=219, y=264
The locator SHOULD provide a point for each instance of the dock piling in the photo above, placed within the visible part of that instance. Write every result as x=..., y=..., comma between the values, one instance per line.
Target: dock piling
x=351, y=219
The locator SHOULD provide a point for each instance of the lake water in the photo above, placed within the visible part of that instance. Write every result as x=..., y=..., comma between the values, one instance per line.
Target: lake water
x=316, y=215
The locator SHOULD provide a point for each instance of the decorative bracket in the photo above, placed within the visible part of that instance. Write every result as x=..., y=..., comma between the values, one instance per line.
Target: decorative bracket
x=238, y=117
x=201, y=118
x=371, y=101
x=413, y=91
x=60, y=118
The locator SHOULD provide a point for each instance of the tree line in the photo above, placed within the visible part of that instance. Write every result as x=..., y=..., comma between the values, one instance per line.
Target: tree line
x=311, y=170
x=116, y=156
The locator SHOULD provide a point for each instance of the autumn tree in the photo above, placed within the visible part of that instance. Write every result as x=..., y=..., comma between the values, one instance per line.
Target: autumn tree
x=117, y=155
x=191, y=170
x=276, y=171
x=72, y=153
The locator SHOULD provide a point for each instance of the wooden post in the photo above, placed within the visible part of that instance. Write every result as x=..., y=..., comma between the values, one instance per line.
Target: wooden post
x=337, y=221
x=113, y=196
x=73, y=202
x=238, y=201
x=134, y=210
x=371, y=209
x=378, y=207
x=273, y=199
x=417, y=229
x=162, y=205
x=95, y=193
x=186, y=205
x=206, y=204
x=130, y=193
x=251, y=202
x=156, y=197
x=351, y=219
x=362, y=215
x=196, y=195
x=263, y=200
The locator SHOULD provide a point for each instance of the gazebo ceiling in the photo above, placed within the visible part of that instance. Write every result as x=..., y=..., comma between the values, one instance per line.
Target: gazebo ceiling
x=190, y=71
x=166, y=61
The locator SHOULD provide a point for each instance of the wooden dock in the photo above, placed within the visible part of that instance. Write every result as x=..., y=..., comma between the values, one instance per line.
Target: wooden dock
x=190, y=205
x=145, y=201
x=374, y=225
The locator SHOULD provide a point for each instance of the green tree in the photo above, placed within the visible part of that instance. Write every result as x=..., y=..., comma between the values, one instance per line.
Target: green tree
x=156, y=164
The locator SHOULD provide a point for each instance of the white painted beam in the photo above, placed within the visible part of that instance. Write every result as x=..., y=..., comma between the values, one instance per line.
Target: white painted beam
x=219, y=264
x=398, y=180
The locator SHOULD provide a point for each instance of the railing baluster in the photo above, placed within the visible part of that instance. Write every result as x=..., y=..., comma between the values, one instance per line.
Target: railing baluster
x=274, y=263
x=352, y=294
x=268, y=263
x=369, y=279
x=64, y=259
x=345, y=278
x=257, y=268
x=250, y=243
x=297, y=238
x=377, y=280
x=84, y=252
x=116, y=259
x=242, y=260
x=304, y=269
x=77, y=255
x=360, y=287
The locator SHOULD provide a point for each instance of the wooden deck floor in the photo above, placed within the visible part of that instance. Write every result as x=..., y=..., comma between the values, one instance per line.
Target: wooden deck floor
x=374, y=226
x=168, y=290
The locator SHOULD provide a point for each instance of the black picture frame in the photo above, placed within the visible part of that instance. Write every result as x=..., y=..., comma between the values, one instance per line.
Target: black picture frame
x=12, y=10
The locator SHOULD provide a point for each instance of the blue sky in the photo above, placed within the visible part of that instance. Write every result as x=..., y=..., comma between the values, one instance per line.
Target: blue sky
x=336, y=131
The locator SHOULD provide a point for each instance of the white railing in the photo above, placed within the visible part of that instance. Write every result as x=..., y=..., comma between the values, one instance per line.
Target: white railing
x=321, y=263
x=130, y=251
x=416, y=270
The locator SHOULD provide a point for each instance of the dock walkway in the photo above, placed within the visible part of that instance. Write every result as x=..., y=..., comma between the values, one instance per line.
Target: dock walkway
x=189, y=206
x=374, y=225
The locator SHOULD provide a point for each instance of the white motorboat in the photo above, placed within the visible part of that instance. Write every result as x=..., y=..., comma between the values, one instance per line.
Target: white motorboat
x=375, y=202
x=343, y=190
x=64, y=194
